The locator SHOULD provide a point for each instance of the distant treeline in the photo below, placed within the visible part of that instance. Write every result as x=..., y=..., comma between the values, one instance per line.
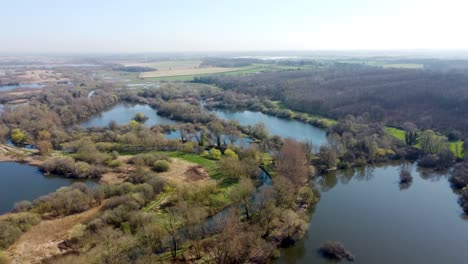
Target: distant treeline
x=229, y=62
x=430, y=99
x=134, y=69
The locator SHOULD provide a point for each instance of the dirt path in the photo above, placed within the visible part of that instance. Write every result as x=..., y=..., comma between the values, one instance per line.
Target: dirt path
x=41, y=241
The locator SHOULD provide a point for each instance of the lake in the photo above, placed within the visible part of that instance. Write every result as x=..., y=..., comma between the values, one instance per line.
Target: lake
x=277, y=126
x=124, y=113
x=380, y=223
x=25, y=182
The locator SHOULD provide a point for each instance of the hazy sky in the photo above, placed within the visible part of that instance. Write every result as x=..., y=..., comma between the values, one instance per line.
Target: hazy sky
x=225, y=25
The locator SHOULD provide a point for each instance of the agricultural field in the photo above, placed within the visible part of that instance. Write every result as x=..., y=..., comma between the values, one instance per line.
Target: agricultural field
x=186, y=70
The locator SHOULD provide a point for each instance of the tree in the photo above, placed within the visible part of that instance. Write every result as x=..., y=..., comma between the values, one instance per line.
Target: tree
x=18, y=136
x=292, y=163
x=216, y=129
x=259, y=131
x=411, y=133
x=309, y=150
x=231, y=132
x=243, y=193
x=431, y=143
x=140, y=117
x=44, y=147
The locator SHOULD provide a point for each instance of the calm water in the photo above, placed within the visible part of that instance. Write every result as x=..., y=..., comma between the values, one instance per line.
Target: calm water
x=379, y=223
x=25, y=182
x=12, y=87
x=277, y=126
x=124, y=113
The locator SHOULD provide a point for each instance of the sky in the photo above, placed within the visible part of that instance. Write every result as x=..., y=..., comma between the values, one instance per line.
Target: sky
x=58, y=26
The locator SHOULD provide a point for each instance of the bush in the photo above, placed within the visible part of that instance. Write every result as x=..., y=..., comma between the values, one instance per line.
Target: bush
x=24, y=221
x=463, y=201
x=204, y=154
x=335, y=250
x=459, y=177
x=9, y=233
x=3, y=258
x=215, y=154
x=161, y=166
x=69, y=168
x=147, y=159
x=18, y=136
x=22, y=206
x=230, y=153
x=65, y=201
x=188, y=147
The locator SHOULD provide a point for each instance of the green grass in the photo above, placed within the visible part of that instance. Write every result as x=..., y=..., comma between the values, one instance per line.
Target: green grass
x=403, y=65
x=396, y=132
x=170, y=64
x=456, y=147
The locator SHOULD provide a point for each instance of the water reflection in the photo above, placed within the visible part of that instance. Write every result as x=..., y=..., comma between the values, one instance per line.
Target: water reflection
x=366, y=210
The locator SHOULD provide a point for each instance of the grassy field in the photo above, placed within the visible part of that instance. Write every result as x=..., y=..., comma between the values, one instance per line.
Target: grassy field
x=168, y=65
x=456, y=147
x=396, y=132
x=192, y=71
x=403, y=65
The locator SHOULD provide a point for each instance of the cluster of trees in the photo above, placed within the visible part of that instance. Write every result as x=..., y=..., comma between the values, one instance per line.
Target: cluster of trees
x=13, y=226
x=354, y=142
x=459, y=182
x=48, y=114
x=228, y=62
x=431, y=100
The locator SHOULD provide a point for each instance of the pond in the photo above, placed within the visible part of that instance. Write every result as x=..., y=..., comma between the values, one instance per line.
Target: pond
x=277, y=126
x=12, y=87
x=25, y=182
x=380, y=223
x=123, y=113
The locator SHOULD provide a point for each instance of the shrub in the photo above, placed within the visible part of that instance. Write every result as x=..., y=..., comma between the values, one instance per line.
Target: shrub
x=215, y=154
x=140, y=117
x=230, y=153
x=148, y=159
x=24, y=221
x=4, y=259
x=459, y=177
x=161, y=166
x=22, y=206
x=157, y=183
x=18, y=136
x=463, y=201
x=9, y=233
x=69, y=168
x=65, y=201
x=44, y=147
x=188, y=147
x=335, y=250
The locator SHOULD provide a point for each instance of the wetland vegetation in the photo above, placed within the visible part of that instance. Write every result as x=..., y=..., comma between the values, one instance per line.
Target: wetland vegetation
x=234, y=168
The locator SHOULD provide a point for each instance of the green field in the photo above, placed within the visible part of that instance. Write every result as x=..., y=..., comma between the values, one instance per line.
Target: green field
x=456, y=147
x=396, y=132
x=403, y=65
